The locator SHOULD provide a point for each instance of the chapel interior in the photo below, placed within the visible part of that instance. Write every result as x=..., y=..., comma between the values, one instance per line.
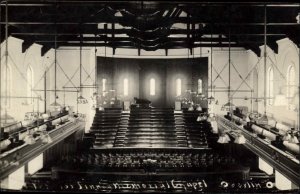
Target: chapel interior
x=149, y=96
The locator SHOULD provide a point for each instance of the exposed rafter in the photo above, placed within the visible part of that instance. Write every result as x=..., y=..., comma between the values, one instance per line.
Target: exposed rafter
x=150, y=25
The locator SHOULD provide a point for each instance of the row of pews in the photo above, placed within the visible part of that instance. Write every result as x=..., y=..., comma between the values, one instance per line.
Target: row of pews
x=151, y=160
x=149, y=127
x=205, y=169
x=144, y=170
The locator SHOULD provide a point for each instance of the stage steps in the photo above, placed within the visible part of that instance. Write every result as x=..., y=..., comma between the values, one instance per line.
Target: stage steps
x=149, y=127
x=196, y=131
x=106, y=125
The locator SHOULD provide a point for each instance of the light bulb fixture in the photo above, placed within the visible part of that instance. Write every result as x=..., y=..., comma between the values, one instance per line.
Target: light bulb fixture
x=55, y=104
x=46, y=138
x=211, y=98
x=29, y=139
x=223, y=139
x=191, y=108
x=262, y=120
x=228, y=106
x=199, y=108
x=82, y=100
x=202, y=117
x=240, y=139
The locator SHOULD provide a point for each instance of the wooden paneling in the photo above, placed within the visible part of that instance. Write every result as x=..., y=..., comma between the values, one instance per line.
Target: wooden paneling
x=164, y=71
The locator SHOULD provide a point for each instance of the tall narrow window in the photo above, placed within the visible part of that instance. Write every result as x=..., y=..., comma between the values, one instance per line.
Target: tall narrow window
x=103, y=85
x=178, y=87
x=290, y=83
x=125, y=87
x=6, y=85
x=270, y=86
x=199, y=86
x=152, y=87
x=30, y=84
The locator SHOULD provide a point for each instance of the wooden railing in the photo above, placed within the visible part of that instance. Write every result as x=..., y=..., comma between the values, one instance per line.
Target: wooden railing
x=10, y=161
x=285, y=163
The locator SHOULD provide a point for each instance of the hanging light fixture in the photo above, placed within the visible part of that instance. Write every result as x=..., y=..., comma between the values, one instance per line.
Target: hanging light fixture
x=81, y=99
x=229, y=106
x=264, y=118
x=95, y=93
x=6, y=118
x=55, y=103
x=211, y=98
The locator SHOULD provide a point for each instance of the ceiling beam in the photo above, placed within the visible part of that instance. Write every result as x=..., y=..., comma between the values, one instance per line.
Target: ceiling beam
x=35, y=23
x=168, y=45
x=52, y=3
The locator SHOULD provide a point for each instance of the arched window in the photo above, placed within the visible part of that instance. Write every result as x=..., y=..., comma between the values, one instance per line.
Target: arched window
x=178, y=87
x=290, y=82
x=255, y=90
x=270, y=85
x=152, y=87
x=125, y=87
x=6, y=84
x=30, y=84
x=199, y=86
x=103, y=85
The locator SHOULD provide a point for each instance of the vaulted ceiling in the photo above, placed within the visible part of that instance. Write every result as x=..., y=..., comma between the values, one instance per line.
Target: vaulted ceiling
x=149, y=25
